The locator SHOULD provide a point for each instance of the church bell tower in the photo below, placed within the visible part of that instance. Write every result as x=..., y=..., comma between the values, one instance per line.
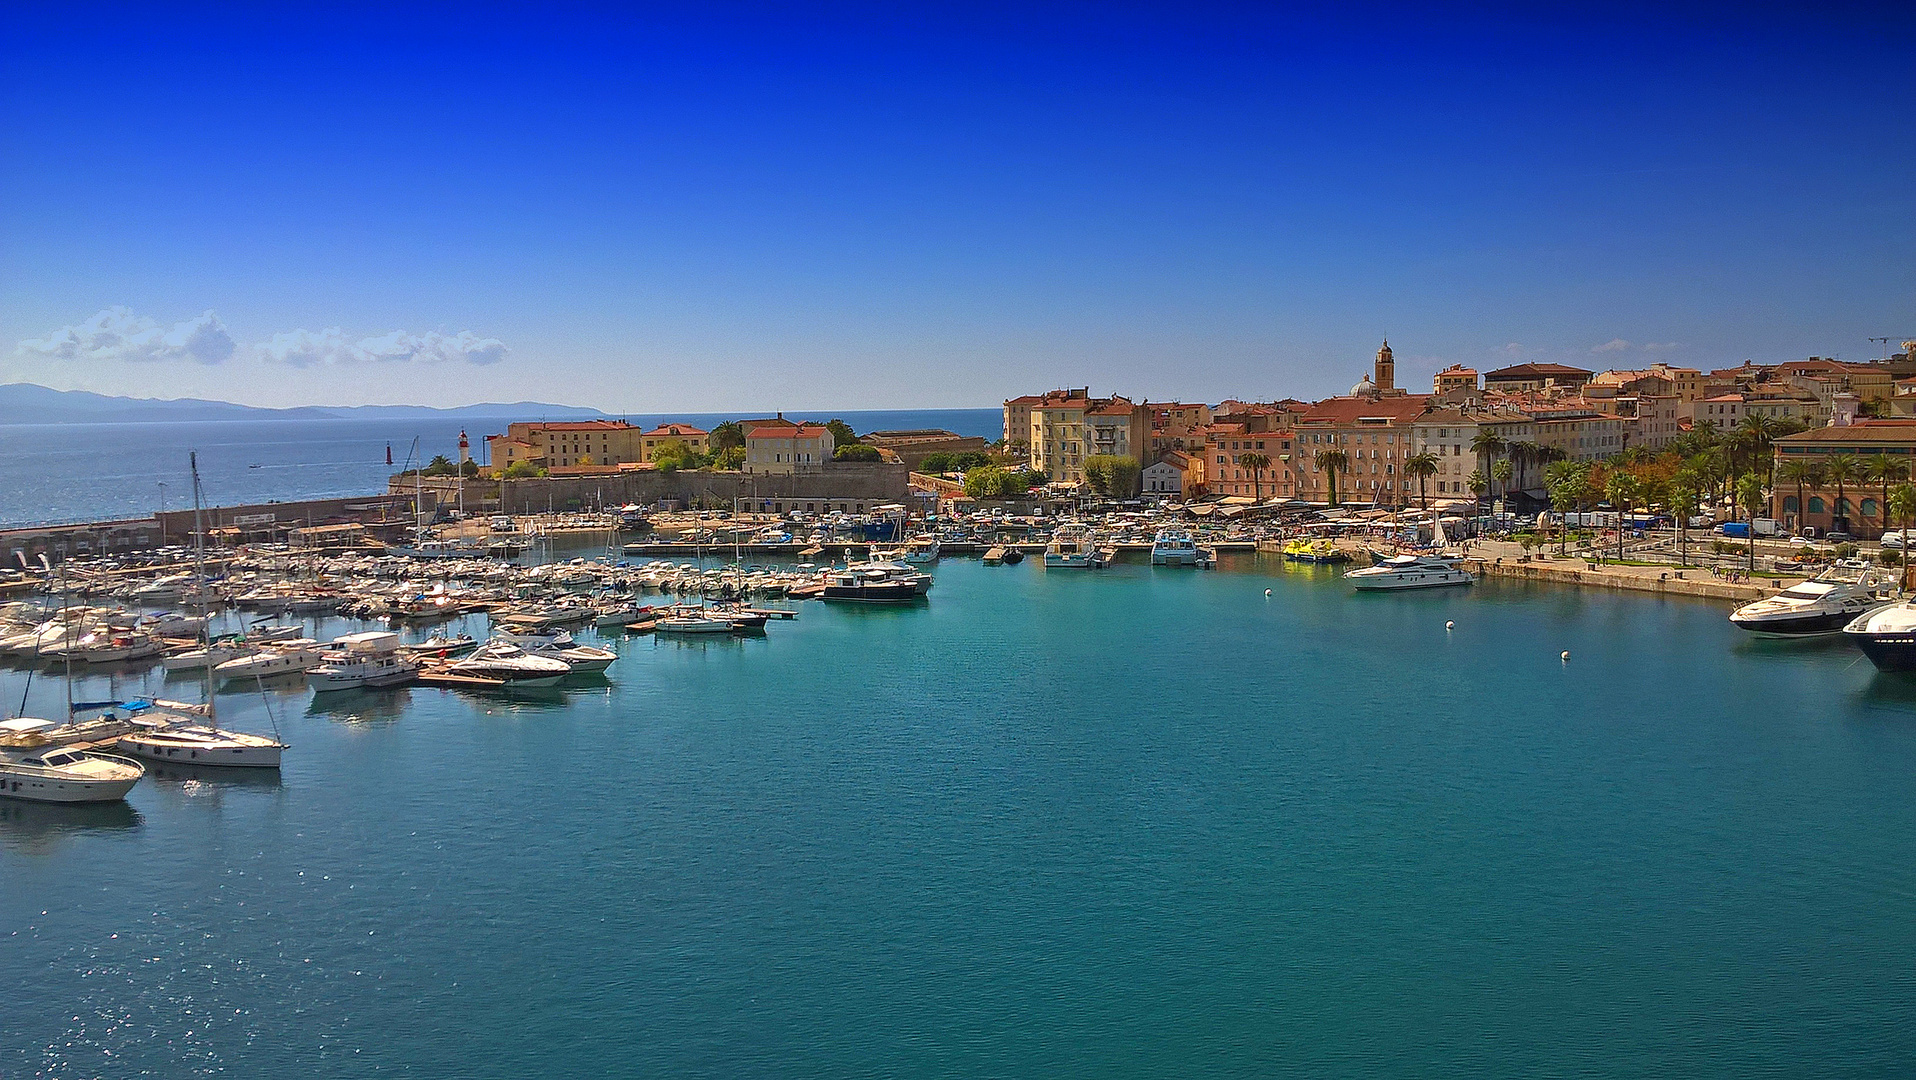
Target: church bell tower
x=1385, y=378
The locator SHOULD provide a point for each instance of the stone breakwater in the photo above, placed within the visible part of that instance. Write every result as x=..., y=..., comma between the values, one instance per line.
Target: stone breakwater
x=1668, y=581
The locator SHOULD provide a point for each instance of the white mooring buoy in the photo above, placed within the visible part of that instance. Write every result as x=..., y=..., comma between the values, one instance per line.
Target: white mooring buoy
x=1566, y=656
x=1450, y=626
x=1267, y=592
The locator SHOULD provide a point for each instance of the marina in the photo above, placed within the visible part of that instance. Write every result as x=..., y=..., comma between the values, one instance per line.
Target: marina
x=701, y=749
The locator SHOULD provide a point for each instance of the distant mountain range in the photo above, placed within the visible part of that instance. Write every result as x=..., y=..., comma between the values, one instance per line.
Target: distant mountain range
x=28, y=403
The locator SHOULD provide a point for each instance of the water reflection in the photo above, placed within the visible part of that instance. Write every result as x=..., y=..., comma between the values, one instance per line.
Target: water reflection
x=31, y=828
x=361, y=706
x=212, y=776
x=1892, y=688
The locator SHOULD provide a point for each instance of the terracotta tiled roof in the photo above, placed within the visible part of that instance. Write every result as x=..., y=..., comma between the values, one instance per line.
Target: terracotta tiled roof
x=580, y=425
x=1344, y=411
x=1534, y=371
x=676, y=429
x=796, y=431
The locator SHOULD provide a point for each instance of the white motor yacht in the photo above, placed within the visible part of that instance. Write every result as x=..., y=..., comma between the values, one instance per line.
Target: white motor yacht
x=1073, y=547
x=369, y=659
x=1410, y=572
x=1820, y=607
x=1173, y=547
x=287, y=657
x=1887, y=635
x=921, y=550
x=508, y=663
x=63, y=774
x=582, y=659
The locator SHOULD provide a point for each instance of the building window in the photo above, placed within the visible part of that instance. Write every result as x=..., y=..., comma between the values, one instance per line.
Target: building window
x=1816, y=504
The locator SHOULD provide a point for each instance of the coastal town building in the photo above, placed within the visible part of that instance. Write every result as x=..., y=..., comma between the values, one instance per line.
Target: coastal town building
x=1455, y=379
x=914, y=446
x=550, y=444
x=780, y=447
x=1857, y=509
x=667, y=434
x=1519, y=378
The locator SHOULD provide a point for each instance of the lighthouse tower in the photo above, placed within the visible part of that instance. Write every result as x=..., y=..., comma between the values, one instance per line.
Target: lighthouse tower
x=465, y=448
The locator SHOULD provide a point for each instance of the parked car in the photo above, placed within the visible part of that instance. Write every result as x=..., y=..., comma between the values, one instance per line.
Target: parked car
x=1838, y=537
x=1893, y=540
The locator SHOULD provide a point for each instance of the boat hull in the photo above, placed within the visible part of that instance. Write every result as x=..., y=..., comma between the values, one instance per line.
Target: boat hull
x=44, y=789
x=1892, y=651
x=1400, y=583
x=225, y=757
x=1820, y=624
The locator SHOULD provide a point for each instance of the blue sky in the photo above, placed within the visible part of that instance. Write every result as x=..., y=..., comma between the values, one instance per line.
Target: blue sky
x=758, y=206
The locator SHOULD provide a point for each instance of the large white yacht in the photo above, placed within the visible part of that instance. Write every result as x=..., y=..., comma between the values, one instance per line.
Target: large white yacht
x=1820, y=607
x=508, y=663
x=1887, y=635
x=369, y=659
x=1410, y=572
x=1174, y=547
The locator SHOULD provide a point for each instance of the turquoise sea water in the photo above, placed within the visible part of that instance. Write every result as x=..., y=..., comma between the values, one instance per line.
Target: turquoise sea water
x=1128, y=823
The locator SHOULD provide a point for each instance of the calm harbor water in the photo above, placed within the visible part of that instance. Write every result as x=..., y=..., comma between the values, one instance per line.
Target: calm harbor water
x=1134, y=823
x=90, y=472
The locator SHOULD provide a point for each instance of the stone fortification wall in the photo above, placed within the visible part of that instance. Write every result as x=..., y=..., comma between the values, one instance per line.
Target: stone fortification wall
x=870, y=483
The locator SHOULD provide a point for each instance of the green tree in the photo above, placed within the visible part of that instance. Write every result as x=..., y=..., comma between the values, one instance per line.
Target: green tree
x=1623, y=491
x=1902, y=504
x=1801, y=473
x=1502, y=471
x=857, y=452
x=730, y=459
x=937, y=463
x=842, y=433
x=1333, y=462
x=1888, y=470
x=1255, y=464
x=673, y=455
x=1683, y=506
x=726, y=436
x=1422, y=466
x=520, y=470
x=1113, y=475
x=1841, y=471
x=440, y=465
x=1749, y=494
x=1477, y=484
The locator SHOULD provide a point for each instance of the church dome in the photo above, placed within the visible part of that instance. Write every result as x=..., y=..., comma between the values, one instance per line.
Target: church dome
x=1364, y=386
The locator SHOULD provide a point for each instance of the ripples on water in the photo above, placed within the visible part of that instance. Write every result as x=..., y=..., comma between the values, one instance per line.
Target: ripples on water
x=1135, y=822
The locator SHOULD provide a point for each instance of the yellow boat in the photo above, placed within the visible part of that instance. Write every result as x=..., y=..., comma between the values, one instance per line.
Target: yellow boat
x=1314, y=551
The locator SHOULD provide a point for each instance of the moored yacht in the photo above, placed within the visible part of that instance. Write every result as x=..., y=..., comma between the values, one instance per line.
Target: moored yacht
x=64, y=774
x=1174, y=547
x=1822, y=606
x=369, y=659
x=508, y=663
x=1887, y=636
x=1073, y=547
x=1410, y=572
x=283, y=658
x=186, y=740
x=868, y=587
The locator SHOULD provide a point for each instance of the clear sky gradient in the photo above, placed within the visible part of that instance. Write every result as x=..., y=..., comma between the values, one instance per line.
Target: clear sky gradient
x=756, y=207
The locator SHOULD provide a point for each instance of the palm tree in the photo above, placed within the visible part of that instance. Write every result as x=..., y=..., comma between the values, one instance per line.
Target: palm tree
x=1564, y=481
x=1759, y=433
x=1623, y=491
x=1422, y=466
x=1801, y=473
x=1842, y=470
x=1902, y=499
x=1477, y=484
x=1255, y=464
x=1888, y=470
x=1683, y=504
x=1749, y=492
x=1502, y=471
x=1488, y=446
x=1333, y=462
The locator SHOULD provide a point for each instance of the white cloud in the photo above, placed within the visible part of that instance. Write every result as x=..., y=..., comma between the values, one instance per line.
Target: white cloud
x=1613, y=345
x=304, y=348
x=118, y=334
